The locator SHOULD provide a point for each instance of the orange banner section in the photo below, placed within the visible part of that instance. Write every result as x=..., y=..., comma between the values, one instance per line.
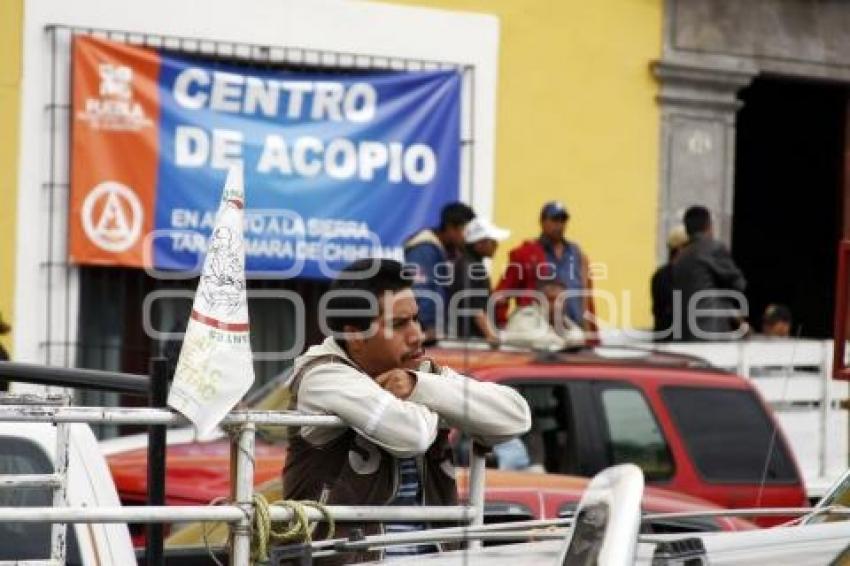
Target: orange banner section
x=115, y=114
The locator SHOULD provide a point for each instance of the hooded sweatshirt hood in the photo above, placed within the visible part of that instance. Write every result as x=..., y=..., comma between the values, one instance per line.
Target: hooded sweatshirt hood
x=427, y=236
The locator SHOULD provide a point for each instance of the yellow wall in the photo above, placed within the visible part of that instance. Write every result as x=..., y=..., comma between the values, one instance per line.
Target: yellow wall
x=11, y=23
x=577, y=121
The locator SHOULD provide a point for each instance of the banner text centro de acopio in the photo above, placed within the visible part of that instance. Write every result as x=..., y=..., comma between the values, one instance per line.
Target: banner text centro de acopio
x=337, y=166
x=307, y=156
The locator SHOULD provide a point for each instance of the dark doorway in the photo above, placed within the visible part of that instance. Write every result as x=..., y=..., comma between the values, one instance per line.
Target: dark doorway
x=789, y=158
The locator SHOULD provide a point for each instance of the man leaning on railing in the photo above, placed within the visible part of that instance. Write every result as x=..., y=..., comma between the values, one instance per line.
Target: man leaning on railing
x=371, y=372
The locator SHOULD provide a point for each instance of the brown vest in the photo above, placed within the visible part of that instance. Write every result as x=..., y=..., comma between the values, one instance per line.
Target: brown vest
x=351, y=470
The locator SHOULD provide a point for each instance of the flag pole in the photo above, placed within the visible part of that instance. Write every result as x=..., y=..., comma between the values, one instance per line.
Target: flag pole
x=157, y=395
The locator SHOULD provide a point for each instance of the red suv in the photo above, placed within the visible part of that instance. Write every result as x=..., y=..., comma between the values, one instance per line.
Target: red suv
x=691, y=428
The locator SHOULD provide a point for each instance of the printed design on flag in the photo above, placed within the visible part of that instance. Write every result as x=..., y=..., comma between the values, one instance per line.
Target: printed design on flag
x=114, y=108
x=112, y=216
x=223, y=275
x=194, y=367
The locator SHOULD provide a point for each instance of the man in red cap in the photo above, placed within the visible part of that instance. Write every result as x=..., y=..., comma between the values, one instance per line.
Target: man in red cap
x=550, y=256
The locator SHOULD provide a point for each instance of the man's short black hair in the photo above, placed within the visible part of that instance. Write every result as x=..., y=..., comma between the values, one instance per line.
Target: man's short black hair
x=454, y=215
x=353, y=287
x=697, y=220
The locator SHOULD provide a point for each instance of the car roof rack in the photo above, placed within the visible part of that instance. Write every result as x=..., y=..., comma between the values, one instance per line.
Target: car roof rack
x=617, y=355
x=599, y=355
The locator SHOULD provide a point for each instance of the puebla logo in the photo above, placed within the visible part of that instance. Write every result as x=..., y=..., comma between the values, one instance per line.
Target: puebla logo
x=114, y=108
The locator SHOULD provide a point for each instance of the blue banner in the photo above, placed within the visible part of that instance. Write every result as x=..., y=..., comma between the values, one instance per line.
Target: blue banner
x=337, y=167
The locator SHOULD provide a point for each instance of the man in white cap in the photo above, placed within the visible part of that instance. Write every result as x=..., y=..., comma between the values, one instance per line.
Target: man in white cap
x=470, y=288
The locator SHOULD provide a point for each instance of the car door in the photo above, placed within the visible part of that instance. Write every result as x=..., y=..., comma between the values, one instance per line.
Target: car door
x=629, y=430
x=559, y=439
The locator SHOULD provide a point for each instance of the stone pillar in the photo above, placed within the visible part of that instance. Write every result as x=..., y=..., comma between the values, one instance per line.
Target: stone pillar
x=698, y=106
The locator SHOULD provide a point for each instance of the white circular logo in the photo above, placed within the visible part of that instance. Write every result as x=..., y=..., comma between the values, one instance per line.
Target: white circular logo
x=112, y=216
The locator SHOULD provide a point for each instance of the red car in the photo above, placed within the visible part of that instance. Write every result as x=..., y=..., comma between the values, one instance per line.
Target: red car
x=691, y=428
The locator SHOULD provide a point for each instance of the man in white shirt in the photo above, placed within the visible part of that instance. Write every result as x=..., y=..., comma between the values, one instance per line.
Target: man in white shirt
x=398, y=405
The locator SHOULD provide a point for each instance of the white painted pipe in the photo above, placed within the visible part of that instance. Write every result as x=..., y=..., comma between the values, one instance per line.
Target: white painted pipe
x=29, y=480
x=59, y=531
x=148, y=416
x=424, y=537
x=758, y=512
x=477, y=472
x=227, y=513
x=511, y=528
x=242, y=490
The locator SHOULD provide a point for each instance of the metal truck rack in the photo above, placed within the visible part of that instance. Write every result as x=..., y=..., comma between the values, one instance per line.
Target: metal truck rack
x=239, y=513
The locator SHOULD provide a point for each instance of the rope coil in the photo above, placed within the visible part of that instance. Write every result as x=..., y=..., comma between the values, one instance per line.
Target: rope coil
x=263, y=534
x=297, y=530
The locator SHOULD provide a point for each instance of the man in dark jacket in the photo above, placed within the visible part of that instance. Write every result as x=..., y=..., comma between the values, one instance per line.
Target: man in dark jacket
x=662, y=287
x=431, y=252
x=708, y=282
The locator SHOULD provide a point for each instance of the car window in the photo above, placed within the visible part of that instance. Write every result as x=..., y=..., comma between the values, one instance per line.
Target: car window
x=31, y=540
x=633, y=433
x=728, y=435
x=551, y=442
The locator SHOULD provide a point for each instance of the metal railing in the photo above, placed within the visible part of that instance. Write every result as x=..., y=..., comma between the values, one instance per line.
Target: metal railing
x=239, y=512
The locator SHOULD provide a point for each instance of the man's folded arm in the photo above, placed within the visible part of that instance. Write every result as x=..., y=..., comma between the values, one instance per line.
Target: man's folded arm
x=489, y=412
x=402, y=428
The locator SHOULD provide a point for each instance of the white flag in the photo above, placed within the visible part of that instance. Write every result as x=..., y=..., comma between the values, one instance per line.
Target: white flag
x=215, y=368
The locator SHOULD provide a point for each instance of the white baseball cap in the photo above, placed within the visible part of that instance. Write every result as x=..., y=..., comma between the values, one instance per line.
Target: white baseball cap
x=480, y=229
